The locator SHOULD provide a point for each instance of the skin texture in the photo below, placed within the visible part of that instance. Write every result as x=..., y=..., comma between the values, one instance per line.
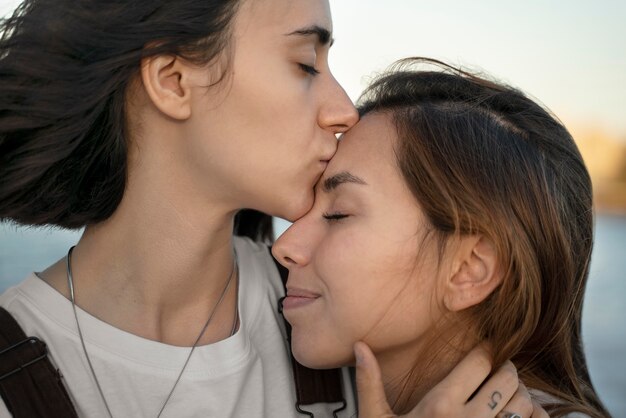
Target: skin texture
x=261, y=138
x=364, y=266
x=365, y=286
x=258, y=139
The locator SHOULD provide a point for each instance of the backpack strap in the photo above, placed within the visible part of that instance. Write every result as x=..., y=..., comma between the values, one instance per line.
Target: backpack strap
x=29, y=385
x=312, y=386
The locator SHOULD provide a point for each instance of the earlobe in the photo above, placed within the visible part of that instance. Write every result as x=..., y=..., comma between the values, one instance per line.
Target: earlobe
x=475, y=276
x=165, y=80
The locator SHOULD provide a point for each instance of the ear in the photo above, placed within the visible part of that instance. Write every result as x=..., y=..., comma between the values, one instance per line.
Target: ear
x=475, y=274
x=166, y=80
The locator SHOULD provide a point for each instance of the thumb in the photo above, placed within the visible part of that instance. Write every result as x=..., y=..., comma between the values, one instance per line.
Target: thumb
x=369, y=384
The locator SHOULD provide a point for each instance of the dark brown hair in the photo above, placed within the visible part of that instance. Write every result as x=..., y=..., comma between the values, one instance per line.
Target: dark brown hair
x=482, y=158
x=65, y=67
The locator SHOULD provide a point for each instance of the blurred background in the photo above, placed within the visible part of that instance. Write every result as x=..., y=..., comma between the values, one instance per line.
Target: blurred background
x=569, y=55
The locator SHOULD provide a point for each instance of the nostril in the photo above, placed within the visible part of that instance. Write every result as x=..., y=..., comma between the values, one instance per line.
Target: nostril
x=289, y=260
x=341, y=129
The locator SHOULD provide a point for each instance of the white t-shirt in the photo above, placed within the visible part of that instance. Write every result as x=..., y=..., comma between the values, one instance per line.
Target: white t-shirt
x=246, y=375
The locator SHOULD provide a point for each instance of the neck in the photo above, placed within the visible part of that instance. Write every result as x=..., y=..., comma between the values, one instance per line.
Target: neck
x=160, y=264
x=157, y=266
x=410, y=372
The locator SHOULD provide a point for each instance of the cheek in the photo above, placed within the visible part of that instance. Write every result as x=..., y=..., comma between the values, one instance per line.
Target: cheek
x=276, y=132
x=415, y=309
x=325, y=335
x=272, y=95
x=359, y=291
x=354, y=309
x=407, y=317
x=376, y=295
x=259, y=141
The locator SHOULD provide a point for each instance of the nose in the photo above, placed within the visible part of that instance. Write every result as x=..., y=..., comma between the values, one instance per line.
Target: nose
x=290, y=248
x=338, y=113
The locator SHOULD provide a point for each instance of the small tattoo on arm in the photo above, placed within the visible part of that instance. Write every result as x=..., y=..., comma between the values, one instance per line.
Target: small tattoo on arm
x=495, y=398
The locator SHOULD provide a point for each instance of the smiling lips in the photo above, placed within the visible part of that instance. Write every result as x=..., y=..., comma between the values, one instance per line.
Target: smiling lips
x=298, y=297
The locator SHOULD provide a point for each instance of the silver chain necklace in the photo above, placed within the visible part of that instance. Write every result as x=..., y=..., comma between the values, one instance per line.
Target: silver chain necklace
x=70, y=282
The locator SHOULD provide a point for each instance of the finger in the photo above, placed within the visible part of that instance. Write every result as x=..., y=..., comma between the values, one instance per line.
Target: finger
x=369, y=384
x=468, y=375
x=538, y=411
x=520, y=404
x=496, y=392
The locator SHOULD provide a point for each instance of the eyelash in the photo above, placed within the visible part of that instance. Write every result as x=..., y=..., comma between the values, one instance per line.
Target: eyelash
x=334, y=217
x=308, y=69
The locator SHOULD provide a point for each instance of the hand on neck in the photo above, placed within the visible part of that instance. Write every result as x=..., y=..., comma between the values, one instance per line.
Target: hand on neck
x=410, y=372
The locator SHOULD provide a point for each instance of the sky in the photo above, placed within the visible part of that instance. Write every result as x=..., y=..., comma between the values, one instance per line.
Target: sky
x=569, y=55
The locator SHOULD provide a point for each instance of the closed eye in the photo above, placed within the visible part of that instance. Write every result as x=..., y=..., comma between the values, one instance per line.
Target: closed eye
x=330, y=217
x=308, y=69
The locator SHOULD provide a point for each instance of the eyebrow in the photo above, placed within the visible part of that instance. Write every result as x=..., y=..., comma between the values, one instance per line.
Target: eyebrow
x=332, y=182
x=323, y=34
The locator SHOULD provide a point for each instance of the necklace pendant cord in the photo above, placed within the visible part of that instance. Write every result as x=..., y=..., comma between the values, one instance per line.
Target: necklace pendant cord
x=70, y=282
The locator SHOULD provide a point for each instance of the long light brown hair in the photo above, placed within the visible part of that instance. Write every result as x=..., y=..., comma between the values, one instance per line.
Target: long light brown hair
x=482, y=158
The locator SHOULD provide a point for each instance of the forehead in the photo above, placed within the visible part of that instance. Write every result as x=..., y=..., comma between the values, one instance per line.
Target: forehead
x=279, y=17
x=367, y=150
x=369, y=146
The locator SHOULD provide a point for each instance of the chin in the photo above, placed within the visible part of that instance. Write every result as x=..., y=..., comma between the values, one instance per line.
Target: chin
x=314, y=356
x=297, y=206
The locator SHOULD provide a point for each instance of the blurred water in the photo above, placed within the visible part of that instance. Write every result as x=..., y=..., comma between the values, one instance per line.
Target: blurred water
x=23, y=250
x=604, y=314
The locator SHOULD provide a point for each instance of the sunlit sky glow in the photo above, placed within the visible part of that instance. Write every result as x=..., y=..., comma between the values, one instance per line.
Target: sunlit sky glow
x=571, y=55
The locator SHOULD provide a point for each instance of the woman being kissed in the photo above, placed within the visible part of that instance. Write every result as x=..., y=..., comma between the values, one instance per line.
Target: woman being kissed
x=456, y=212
